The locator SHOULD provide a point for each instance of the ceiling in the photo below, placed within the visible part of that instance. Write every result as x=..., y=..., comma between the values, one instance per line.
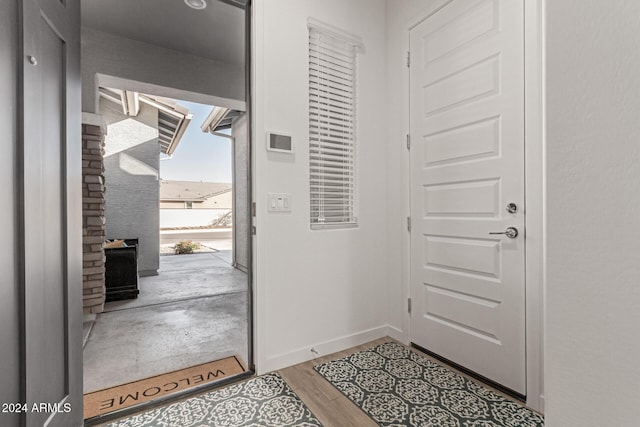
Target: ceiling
x=216, y=32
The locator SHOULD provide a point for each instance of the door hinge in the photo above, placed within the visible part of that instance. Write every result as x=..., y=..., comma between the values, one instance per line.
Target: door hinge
x=253, y=230
x=253, y=209
x=409, y=305
x=408, y=223
x=409, y=142
x=408, y=59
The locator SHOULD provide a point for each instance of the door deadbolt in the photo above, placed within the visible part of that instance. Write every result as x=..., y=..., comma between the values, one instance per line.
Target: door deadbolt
x=512, y=207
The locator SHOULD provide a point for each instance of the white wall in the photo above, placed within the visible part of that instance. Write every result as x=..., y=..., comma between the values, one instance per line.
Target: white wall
x=156, y=70
x=170, y=218
x=593, y=197
x=325, y=289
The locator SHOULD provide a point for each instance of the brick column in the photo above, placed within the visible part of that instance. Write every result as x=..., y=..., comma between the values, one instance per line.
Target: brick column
x=93, y=222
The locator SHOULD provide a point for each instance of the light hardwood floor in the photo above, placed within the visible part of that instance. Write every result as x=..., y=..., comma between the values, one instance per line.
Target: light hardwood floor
x=328, y=404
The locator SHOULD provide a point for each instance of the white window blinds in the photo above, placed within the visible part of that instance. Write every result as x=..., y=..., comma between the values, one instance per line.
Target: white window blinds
x=332, y=129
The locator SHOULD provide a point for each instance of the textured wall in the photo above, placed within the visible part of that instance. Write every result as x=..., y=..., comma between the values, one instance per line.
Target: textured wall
x=593, y=193
x=242, y=221
x=132, y=161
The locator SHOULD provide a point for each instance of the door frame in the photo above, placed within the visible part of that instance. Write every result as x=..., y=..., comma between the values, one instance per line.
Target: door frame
x=247, y=107
x=534, y=193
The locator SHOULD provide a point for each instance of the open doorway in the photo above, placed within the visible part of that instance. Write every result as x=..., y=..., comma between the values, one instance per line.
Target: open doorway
x=175, y=216
x=175, y=297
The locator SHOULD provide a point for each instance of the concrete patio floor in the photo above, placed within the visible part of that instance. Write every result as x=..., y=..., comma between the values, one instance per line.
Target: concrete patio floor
x=193, y=312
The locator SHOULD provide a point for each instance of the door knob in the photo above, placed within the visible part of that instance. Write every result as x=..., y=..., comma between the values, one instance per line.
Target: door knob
x=510, y=232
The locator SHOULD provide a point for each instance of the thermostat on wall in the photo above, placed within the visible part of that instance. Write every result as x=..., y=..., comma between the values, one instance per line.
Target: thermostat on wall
x=279, y=142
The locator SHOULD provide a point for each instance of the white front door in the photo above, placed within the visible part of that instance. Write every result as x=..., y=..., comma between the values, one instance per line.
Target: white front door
x=467, y=165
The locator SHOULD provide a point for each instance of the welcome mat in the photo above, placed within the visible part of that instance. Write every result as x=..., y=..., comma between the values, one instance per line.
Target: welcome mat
x=133, y=393
x=397, y=387
x=262, y=401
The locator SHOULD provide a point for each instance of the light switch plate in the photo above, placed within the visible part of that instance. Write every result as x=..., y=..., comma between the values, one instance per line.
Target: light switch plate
x=279, y=202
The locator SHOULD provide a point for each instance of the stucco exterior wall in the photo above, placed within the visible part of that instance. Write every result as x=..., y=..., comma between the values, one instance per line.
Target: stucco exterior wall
x=132, y=161
x=242, y=220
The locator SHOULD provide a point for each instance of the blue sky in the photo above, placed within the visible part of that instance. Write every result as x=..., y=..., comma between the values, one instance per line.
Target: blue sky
x=200, y=156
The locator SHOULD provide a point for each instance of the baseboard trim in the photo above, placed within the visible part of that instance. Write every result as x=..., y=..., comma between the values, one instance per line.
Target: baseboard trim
x=323, y=348
x=397, y=334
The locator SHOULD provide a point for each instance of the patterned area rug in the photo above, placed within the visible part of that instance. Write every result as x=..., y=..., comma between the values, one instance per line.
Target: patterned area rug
x=397, y=387
x=264, y=401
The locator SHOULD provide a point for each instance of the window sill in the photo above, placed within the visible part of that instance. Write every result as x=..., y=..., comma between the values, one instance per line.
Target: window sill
x=334, y=226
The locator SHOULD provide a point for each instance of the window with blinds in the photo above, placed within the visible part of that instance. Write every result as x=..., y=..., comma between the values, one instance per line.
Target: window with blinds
x=332, y=129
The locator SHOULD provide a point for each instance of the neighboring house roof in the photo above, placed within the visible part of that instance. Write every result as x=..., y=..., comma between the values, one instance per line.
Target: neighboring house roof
x=191, y=191
x=173, y=118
